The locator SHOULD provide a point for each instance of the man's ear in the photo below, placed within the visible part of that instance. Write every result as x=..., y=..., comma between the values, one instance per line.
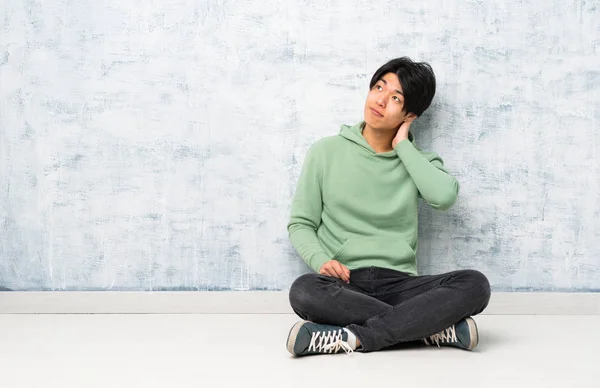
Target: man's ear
x=411, y=117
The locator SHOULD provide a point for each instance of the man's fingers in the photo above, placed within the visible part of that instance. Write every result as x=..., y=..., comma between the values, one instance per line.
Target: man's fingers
x=325, y=270
x=347, y=271
x=333, y=271
x=344, y=272
x=336, y=269
x=328, y=270
x=339, y=269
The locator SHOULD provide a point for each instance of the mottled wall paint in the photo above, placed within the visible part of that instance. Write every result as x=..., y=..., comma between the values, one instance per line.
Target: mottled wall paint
x=157, y=144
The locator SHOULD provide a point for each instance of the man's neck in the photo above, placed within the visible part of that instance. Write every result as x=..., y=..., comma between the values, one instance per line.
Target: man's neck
x=379, y=140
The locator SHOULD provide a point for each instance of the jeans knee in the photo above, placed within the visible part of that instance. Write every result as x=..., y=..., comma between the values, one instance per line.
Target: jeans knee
x=302, y=291
x=480, y=285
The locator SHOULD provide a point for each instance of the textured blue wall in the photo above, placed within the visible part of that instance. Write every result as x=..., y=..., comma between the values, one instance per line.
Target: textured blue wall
x=156, y=145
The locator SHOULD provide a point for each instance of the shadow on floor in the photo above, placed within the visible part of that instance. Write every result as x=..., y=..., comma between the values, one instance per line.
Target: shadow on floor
x=405, y=345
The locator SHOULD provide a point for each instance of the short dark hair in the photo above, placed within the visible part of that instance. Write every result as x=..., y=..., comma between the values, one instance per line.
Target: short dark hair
x=417, y=80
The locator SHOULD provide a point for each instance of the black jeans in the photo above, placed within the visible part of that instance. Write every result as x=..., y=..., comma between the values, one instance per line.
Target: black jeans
x=383, y=307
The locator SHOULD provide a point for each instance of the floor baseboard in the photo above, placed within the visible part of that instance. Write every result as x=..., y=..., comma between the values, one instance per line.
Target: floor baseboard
x=256, y=302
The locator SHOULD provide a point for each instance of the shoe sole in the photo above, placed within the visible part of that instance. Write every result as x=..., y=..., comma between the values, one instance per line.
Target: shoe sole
x=473, y=332
x=291, y=342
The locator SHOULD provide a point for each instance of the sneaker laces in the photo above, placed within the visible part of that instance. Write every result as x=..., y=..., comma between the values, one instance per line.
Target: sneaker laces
x=330, y=341
x=445, y=336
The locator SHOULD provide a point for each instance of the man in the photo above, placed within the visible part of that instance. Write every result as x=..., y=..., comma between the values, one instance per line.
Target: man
x=354, y=222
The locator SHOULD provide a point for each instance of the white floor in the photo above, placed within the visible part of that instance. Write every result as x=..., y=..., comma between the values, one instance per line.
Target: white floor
x=112, y=351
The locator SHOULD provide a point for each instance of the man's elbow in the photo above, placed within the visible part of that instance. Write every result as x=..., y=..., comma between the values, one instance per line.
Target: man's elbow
x=445, y=199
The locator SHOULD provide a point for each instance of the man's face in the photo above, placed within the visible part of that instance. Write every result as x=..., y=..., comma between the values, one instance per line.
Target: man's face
x=385, y=104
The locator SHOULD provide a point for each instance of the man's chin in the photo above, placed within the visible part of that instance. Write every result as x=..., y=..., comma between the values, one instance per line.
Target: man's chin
x=378, y=128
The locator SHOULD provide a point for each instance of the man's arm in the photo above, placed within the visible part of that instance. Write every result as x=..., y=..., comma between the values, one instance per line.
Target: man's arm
x=435, y=185
x=305, y=215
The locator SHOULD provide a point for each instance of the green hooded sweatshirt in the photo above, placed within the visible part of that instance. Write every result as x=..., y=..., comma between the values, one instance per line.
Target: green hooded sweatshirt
x=360, y=207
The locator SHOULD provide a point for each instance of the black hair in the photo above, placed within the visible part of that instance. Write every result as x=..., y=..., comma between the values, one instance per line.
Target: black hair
x=417, y=80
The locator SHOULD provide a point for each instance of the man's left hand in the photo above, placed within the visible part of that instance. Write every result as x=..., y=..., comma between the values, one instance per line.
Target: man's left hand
x=402, y=133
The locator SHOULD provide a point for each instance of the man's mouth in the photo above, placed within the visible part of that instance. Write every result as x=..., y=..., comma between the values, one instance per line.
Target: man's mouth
x=376, y=112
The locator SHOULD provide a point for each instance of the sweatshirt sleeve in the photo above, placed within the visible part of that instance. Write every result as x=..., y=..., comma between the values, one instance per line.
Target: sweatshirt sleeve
x=438, y=188
x=305, y=214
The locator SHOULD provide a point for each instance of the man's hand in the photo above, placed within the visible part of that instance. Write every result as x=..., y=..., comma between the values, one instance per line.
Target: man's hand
x=336, y=269
x=402, y=133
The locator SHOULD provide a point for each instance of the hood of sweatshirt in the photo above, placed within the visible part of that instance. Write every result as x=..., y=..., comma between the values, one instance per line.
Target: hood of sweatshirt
x=354, y=134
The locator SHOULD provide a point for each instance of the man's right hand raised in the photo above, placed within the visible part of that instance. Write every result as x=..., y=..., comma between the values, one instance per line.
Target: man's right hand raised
x=336, y=269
